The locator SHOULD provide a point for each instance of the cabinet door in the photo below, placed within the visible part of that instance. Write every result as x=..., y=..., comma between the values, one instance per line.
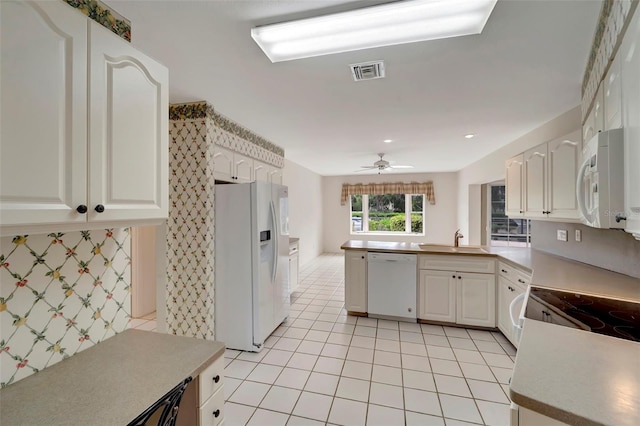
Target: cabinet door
x=43, y=75
x=563, y=158
x=223, y=164
x=243, y=167
x=261, y=171
x=476, y=297
x=514, y=203
x=507, y=291
x=275, y=176
x=588, y=129
x=613, y=95
x=128, y=139
x=293, y=272
x=355, y=281
x=437, y=296
x=535, y=181
x=631, y=122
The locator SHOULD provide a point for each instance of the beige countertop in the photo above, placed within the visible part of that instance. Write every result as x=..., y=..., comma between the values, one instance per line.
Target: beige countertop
x=110, y=383
x=577, y=377
x=572, y=375
x=548, y=270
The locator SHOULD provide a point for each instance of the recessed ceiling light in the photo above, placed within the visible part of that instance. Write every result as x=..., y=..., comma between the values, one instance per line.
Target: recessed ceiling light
x=469, y=136
x=383, y=25
x=387, y=141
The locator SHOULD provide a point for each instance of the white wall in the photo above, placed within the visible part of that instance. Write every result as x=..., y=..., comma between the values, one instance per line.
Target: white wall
x=491, y=168
x=440, y=219
x=305, y=209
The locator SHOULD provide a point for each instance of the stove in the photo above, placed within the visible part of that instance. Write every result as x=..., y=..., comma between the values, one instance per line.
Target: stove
x=612, y=317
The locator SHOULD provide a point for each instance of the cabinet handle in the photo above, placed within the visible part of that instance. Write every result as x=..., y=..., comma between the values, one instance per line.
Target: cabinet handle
x=521, y=281
x=216, y=413
x=99, y=208
x=216, y=379
x=459, y=277
x=521, y=211
x=363, y=257
x=504, y=270
x=82, y=209
x=453, y=276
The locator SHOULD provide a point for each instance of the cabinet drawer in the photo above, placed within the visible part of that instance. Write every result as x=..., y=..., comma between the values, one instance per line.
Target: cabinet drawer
x=210, y=380
x=515, y=275
x=212, y=412
x=457, y=263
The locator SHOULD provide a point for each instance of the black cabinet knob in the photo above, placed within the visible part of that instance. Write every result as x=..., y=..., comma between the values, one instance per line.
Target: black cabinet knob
x=520, y=281
x=453, y=276
x=363, y=257
x=521, y=211
x=82, y=209
x=619, y=218
x=216, y=413
x=99, y=208
x=459, y=277
x=216, y=379
x=504, y=270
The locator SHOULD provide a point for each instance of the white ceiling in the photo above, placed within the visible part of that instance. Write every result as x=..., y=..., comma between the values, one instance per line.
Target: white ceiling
x=523, y=70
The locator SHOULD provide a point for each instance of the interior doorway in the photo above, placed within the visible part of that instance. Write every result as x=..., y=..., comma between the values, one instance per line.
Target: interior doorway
x=143, y=277
x=501, y=230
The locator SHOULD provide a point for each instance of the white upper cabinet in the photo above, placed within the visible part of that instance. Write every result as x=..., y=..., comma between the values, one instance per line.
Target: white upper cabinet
x=514, y=170
x=594, y=122
x=230, y=166
x=630, y=62
x=128, y=170
x=535, y=182
x=266, y=173
x=60, y=163
x=613, y=96
x=562, y=166
x=43, y=145
x=547, y=176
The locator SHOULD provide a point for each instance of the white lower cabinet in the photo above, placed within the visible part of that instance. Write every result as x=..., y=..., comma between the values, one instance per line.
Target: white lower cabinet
x=203, y=401
x=511, y=283
x=355, y=281
x=476, y=299
x=462, y=290
x=528, y=417
x=437, y=291
x=294, y=266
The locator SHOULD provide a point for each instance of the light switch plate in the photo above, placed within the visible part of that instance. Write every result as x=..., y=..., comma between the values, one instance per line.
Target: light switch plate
x=578, y=235
x=562, y=235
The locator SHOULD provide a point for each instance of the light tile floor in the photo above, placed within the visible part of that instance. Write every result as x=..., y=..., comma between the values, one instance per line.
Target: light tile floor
x=324, y=367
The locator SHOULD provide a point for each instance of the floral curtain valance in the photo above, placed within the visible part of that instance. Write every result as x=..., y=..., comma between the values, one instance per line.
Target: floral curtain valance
x=425, y=188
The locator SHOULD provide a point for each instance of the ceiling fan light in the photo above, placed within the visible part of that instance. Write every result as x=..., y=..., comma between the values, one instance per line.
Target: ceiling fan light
x=376, y=26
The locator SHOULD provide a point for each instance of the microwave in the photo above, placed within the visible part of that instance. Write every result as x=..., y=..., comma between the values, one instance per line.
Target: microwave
x=600, y=182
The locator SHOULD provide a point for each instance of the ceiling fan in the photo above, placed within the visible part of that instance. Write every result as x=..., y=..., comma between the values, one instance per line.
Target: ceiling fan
x=381, y=165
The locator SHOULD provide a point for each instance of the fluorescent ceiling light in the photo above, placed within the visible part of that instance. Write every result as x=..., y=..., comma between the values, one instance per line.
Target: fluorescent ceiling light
x=385, y=25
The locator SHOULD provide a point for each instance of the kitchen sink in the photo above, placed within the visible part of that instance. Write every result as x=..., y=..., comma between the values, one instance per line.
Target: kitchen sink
x=443, y=248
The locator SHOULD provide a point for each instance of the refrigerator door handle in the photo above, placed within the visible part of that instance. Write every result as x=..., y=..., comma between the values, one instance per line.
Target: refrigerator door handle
x=274, y=261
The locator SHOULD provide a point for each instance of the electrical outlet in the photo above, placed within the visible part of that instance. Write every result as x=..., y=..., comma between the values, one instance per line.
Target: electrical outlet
x=578, y=235
x=562, y=235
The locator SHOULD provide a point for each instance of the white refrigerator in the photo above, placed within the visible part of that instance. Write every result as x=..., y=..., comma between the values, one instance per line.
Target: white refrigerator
x=251, y=263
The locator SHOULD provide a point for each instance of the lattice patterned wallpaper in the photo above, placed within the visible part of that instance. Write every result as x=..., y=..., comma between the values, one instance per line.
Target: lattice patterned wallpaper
x=190, y=236
x=60, y=294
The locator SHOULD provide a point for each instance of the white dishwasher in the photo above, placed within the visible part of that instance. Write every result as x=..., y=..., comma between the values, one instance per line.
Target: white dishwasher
x=391, y=285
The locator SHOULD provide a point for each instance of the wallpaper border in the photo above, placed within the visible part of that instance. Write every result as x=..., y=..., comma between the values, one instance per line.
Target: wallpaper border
x=104, y=15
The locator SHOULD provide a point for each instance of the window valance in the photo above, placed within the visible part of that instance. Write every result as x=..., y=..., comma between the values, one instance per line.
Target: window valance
x=425, y=188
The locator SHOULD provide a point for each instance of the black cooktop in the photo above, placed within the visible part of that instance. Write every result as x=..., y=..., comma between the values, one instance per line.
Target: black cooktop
x=612, y=317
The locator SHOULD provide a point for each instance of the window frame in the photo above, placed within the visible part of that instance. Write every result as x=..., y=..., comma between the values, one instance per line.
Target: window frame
x=509, y=242
x=408, y=211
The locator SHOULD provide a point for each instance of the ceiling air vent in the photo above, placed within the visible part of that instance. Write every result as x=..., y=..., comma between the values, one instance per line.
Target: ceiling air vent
x=367, y=70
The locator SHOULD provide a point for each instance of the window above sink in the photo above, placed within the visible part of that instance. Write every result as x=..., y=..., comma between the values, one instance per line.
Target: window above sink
x=394, y=214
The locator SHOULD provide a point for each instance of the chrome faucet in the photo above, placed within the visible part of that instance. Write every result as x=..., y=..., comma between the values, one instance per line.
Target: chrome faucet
x=456, y=238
